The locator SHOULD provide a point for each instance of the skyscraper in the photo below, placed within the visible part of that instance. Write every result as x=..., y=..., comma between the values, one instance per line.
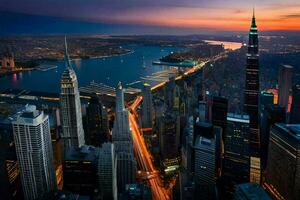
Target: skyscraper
x=147, y=107
x=34, y=152
x=122, y=140
x=169, y=141
x=107, y=169
x=283, y=168
x=284, y=84
x=80, y=170
x=72, y=134
x=172, y=94
x=271, y=114
x=97, y=122
x=266, y=98
x=10, y=183
x=219, y=112
x=202, y=111
x=295, y=108
x=251, y=101
x=236, y=153
x=205, y=162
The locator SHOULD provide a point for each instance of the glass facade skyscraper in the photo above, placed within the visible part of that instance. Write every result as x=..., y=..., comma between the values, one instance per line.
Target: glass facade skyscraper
x=122, y=140
x=34, y=152
x=72, y=128
x=283, y=166
x=236, y=152
x=251, y=100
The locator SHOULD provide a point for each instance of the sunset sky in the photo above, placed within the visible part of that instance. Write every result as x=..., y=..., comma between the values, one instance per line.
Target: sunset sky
x=228, y=15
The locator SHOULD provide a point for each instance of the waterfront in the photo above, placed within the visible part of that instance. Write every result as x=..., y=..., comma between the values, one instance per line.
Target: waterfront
x=127, y=68
x=227, y=45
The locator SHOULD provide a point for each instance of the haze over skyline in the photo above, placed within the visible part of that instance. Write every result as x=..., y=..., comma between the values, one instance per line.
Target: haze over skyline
x=214, y=15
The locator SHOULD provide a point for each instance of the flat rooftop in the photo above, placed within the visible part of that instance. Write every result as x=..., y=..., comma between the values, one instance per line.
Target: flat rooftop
x=252, y=191
x=238, y=118
x=84, y=153
x=288, y=66
x=290, y=130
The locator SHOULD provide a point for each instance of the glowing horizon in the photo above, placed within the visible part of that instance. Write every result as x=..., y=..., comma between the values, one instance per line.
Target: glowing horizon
x=232, y=15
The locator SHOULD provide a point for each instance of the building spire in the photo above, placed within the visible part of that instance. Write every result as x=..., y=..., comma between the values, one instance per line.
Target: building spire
x=253, y=23
x=120, y=106
x=67, y=58
x=120, y=85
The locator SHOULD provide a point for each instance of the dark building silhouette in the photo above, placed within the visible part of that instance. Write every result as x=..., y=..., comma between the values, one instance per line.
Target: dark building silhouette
x=295, y=108
x=97, y=122
x=283, y=168
x=147, y=107
x=169, y=136
x=235, y=168
x=137, y=191
x=10, y=183
x=266, y=98
x=80, y=170
x=251, y=100
x=271, y=114
x=219, y=112
x=284, y=84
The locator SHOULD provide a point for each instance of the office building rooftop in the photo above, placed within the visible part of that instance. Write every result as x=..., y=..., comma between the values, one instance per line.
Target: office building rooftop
x=250, y=191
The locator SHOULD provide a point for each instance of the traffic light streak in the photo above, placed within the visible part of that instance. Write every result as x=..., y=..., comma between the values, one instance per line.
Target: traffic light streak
x=159, y=192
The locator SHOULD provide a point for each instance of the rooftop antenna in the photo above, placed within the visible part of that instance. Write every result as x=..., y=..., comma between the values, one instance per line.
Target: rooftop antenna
x=67, y=58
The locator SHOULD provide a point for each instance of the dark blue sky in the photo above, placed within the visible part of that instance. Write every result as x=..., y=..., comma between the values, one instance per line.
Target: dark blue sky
x=25, y=24
x=212, y=15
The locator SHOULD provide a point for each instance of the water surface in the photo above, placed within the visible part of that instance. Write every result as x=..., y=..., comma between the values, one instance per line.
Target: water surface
x=110, y=70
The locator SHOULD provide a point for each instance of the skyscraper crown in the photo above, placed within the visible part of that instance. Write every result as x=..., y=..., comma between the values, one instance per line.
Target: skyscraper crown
x=120, y=85
x=67, y=58
x=69, y=73
x=253, y=23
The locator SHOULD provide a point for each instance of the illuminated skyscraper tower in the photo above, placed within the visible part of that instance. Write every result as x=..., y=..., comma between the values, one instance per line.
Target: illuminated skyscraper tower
x=251, y=101
x=122, y=140
x=73, y=134
x=34, y=152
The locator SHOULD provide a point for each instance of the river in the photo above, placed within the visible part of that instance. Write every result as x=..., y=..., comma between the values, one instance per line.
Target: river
x=109, y=70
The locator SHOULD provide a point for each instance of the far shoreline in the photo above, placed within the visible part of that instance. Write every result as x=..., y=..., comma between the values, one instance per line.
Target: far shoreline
x=107, y=56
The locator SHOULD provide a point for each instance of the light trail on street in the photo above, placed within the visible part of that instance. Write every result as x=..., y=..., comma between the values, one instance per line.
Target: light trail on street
x=159, y=192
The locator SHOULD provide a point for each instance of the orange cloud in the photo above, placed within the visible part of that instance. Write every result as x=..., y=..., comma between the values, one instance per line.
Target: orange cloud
x=286, y=18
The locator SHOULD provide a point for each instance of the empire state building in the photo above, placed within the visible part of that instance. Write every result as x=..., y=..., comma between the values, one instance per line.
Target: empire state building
x=73, y=134
x=251, y=100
